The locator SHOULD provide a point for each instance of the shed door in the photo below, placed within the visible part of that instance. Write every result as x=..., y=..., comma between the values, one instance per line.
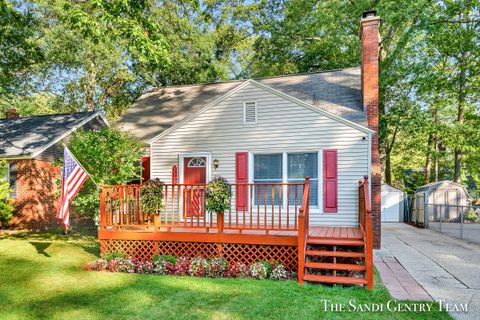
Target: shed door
x=391, y=206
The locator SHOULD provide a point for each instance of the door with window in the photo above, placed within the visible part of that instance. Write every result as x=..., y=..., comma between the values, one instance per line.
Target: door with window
x=195, y=174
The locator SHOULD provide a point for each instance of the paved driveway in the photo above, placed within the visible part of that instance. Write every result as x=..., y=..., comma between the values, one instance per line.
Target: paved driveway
x=447, y=268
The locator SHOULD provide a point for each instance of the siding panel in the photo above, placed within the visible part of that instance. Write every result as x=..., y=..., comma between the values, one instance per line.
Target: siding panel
x=281, y=126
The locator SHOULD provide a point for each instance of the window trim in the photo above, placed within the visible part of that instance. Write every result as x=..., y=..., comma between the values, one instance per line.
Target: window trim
x=319, y=152
x=245, y=111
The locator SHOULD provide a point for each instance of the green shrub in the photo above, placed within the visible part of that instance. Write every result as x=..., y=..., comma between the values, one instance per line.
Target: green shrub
x=6, y=213
x=171, y=259
x=109, y=256
x=268, y=267
x=471, y=216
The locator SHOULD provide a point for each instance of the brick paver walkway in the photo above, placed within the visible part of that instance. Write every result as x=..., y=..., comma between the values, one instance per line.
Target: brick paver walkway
x=398, y=281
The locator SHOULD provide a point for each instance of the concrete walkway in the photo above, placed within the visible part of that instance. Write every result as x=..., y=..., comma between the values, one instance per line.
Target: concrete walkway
x=448, y=269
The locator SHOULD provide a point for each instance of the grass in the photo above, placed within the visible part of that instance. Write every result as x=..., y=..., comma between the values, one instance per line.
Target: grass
x=41, y=277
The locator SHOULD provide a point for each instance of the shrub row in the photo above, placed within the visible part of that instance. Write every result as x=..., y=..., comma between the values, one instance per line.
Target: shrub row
x=196, y=267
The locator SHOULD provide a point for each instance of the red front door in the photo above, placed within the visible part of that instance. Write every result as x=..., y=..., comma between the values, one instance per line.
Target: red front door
x=195, y=174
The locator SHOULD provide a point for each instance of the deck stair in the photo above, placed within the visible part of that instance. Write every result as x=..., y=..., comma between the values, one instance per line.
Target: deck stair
x=336, y=255
x=335, y=260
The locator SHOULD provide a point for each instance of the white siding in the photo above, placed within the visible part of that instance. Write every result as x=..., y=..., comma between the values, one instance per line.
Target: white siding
x=282, y=126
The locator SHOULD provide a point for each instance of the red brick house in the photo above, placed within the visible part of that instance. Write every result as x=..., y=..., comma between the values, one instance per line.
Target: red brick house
x=29, y=146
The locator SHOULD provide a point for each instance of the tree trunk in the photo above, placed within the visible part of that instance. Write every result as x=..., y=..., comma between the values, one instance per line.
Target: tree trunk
x=90, y=88
x=435, y=145
x=435, y=161
x=460, y=120
x=428, y=161
x=388, y=170
x=388, y=158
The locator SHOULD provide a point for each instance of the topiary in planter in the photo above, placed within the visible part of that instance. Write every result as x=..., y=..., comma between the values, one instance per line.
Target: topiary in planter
x=152, y=197
x=218, y=194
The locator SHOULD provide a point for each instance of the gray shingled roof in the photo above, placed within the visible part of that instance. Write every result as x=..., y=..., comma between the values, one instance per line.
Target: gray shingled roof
x=24, y=136
x=337, y=91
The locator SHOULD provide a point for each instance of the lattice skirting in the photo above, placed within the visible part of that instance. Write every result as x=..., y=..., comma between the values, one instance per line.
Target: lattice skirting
x=232, y=252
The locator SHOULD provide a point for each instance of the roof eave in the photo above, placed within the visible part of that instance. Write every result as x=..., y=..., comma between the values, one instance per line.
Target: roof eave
x=100, y=114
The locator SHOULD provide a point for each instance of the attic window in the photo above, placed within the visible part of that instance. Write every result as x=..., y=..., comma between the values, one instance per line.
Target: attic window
x=250, y=112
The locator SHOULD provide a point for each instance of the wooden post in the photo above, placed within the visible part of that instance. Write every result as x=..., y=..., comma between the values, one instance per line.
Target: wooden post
x=301, y=247
x=103, y=217
x=220, y=221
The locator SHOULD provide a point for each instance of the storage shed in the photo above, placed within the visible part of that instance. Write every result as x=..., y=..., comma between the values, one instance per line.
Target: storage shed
x=392, y=204
x=440, y=200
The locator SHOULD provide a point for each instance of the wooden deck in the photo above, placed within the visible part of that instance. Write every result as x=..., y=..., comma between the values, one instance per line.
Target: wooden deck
x=214, y=235
x=280, y=231
x=314, y=232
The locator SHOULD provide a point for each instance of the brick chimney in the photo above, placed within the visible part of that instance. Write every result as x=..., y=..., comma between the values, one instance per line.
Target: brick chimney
x=12, y=114
x=369, y=36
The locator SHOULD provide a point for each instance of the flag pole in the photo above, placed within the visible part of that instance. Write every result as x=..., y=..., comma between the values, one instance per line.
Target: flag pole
x=89, y=175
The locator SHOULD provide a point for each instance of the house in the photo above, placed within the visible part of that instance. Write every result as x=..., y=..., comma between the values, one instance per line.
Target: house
x=29, y=146
x=265, y=136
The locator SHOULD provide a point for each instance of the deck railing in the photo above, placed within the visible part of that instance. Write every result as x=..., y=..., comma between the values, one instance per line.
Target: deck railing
x=365, y=223
x=263, y=206
x=303, y=223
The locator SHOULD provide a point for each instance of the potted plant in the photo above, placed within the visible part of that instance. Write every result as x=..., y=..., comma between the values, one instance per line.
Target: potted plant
x=151, y=196
x=218, y=194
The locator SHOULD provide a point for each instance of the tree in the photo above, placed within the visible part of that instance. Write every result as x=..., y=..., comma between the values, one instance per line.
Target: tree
x=108, y=155
x=102, y=54
x=453, y=39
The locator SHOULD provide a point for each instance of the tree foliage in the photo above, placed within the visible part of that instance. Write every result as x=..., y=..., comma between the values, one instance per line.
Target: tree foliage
x=109, y=156
x=68, y=55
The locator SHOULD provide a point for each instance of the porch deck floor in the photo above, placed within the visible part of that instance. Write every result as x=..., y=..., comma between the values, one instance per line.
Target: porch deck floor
x=336, y=232
x=315, y=232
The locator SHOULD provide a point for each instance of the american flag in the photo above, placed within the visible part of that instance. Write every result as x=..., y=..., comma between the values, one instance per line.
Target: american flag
x=74, y=177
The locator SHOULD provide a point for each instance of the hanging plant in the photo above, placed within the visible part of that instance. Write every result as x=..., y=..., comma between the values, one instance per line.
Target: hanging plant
x=218, y=195
x=152, y=196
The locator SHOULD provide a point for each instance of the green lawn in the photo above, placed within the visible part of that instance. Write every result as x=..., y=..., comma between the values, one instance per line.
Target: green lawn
x=41, y=276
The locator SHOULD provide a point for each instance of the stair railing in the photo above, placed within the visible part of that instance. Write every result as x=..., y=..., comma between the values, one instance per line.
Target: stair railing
x=303, y=222
x=365, y=224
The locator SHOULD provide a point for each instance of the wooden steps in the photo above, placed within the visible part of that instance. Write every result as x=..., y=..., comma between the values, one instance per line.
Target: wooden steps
x=327, y=253
x=335, y=266
x=334, y=279
x=335, y=242
x=330, y=260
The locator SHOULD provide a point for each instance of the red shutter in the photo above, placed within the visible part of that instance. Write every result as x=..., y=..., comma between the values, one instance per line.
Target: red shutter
x=145, y=168
x=174, y=174
x=330, y=181
x=241, y=176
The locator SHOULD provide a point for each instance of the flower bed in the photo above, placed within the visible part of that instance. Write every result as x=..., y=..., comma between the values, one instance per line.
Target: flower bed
x=196, y=267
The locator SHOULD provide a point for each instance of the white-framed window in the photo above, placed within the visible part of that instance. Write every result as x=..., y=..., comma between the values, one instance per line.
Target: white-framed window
x=250, y=112
x=285, y=167
x=267, y=169
x=5, y=172
x=197, y=163
x=299, y=166
x=8, y=173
